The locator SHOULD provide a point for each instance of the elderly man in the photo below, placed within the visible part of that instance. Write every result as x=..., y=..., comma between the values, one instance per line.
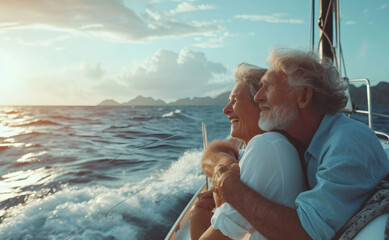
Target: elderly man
x=343, y=159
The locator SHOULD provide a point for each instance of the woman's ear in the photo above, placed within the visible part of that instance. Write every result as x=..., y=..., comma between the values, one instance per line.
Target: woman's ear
x=305, y=97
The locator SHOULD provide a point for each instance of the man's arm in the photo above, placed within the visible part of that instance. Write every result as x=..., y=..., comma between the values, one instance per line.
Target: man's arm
x=219, y=153
x=272, y=220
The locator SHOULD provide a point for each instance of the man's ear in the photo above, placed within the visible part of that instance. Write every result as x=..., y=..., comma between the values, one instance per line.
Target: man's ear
x=305, y=97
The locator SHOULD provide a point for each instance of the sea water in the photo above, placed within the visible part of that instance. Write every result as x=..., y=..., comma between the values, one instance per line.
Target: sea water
x=103, y=172
x=100, y=172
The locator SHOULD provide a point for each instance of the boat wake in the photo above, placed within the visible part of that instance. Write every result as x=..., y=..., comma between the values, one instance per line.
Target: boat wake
x=142, y=210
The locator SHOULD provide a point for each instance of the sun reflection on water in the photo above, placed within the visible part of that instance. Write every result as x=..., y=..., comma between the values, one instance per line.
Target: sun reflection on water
x=12, y=184
x=32, y=157
x=7, y=132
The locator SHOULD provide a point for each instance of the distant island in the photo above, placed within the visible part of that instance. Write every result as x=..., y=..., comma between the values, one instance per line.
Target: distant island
x=221, y=99
x=379, y=95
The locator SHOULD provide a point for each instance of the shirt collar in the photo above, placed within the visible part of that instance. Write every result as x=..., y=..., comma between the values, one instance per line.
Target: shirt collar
x=321, y=135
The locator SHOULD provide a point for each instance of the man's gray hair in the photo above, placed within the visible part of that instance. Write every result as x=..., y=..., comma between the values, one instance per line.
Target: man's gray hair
x=307, y=69
x=250, y=75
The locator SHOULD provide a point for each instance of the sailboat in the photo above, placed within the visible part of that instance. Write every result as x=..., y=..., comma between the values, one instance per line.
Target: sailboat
x=327, y=21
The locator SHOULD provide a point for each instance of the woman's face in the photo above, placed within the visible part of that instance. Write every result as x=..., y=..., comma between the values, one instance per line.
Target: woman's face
x=243, y=113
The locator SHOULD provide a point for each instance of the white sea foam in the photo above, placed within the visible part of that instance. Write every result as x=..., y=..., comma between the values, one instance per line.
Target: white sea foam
x=65, y=212
x=171, y=114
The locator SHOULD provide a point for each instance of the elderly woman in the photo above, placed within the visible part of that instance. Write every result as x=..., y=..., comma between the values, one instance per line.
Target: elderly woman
x=274, y=173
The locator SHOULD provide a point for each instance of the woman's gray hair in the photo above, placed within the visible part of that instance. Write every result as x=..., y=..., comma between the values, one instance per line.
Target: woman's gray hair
x=307, y=69
x=249, y=75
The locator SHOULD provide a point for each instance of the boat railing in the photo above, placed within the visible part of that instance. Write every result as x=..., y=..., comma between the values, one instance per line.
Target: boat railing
x=368, y=112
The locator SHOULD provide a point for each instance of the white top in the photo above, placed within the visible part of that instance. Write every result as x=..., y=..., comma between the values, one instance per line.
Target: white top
x=270, y=166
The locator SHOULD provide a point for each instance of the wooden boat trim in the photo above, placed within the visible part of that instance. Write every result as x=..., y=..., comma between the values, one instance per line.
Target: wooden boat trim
x=184, y=217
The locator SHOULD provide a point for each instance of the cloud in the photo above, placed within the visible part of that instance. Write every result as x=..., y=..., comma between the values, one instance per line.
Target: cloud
x=158, y=1
x=94, y=71
x=215, y=41
x=166, y=75
x=113, y=20
x=169, y=75
x=67, y=85
x=274, y=18
x=350, y=22
x=188, y=7
x=43, y=43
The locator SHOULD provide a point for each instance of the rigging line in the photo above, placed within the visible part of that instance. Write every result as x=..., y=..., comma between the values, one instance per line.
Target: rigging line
x=328, y=11
x=381, y=115
x=342, y=58
x=324, y=25
x=131, y=195
x=106, y=212
x=331, y=44
x=125, y=199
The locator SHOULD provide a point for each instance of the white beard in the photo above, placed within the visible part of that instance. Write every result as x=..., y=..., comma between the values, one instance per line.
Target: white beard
x=279, y=117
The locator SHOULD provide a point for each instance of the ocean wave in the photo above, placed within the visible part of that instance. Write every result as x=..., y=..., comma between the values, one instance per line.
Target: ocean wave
x=100, y=212
x=11, y=112
x=172, y=113
x=32, y=145
x=36, y=122
x=4, y=147
x=159, y=146
x=119, y=127
x=141, y=119
x=28, y=134
x=133, y=132
x=68, y=118
x=32, y=157
x=160, y=135
x=125, y=136
x=136, y=134
x=87, y=178
x=102, y=164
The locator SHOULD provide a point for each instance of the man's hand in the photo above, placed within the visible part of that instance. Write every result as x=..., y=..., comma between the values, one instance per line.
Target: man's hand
x=224, y=176
x=206, y=200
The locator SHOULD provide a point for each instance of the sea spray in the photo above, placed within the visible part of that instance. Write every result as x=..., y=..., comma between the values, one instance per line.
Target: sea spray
x=146, y=206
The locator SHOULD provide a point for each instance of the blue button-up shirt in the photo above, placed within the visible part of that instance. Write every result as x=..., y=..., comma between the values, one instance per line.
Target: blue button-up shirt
x=345, y=160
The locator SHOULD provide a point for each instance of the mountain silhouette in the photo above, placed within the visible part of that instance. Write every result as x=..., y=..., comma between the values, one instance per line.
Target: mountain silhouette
x=379, y=95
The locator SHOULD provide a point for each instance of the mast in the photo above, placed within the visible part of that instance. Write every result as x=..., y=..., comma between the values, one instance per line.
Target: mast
x=313, y=26
x=326, y=26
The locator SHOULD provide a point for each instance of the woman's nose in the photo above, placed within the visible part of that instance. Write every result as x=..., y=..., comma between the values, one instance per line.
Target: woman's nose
x=227, y=109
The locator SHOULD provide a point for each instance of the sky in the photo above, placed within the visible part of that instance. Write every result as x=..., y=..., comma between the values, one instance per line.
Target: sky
x=80, y=52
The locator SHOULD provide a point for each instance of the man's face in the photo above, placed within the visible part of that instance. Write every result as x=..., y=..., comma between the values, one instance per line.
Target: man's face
x=277, y=101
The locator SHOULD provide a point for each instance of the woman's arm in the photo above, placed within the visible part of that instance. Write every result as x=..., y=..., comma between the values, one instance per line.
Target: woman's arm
x=212, y=234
